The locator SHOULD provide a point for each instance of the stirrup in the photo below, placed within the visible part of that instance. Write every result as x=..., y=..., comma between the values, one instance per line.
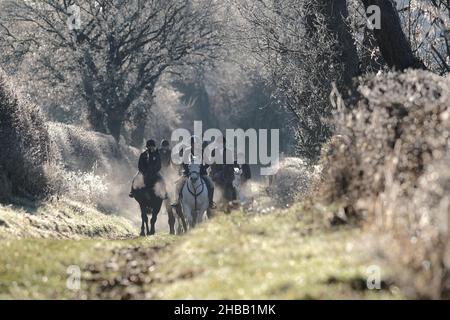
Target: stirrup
x=212, y=205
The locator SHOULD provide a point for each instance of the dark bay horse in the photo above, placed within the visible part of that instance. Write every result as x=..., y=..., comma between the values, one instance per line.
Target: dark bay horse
x=150, y=200
x=224, y=180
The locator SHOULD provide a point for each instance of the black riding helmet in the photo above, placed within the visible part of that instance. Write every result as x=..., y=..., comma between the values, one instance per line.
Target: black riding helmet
x=164, y=143
x=151, y=143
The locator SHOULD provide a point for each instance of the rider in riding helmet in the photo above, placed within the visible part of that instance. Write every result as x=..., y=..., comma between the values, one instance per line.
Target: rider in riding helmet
x=165, y=153
x=149, y=166
x=221, y=173
x=246, y=172
x=194, y=150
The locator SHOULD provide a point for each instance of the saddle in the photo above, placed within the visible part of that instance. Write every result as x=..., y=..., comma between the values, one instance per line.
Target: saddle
x=142, y=182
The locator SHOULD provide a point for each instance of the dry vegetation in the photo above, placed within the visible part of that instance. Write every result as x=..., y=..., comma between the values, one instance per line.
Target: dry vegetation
x=65, y=219
x=292, y=181
x=25, y=144
x=389, y=168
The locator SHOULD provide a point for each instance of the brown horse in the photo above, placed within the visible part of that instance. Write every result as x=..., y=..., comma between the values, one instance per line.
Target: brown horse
x=223, y=179
x=149, y=201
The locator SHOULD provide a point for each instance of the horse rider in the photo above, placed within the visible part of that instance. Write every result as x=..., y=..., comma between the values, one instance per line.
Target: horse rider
x=246, y=172
x=165, y=153
x=149, y=166
x=189, y=154
x=223, y=173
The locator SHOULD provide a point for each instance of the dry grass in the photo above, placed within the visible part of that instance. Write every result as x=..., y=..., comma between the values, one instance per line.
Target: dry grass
x=64, y=219
x=292, y=181
x=288, y=254
x=389, y=167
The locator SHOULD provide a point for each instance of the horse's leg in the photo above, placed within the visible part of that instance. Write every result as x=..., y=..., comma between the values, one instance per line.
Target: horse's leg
x=179, y=227
x=200, y=214
x=209, y=213
x=181, y=217
x=155, y=211
x=171, y=219
x=147, y=212
x=188, y=215
x=143, y=218
x=152, y=222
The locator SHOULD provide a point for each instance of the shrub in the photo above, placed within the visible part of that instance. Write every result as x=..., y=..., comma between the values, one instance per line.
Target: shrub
x=93, y=168
x=87, y=187
x=390, y=165
x=418, y=242
x=24, y=142
x=291, y=181
x=82, y=150
x=394, y=117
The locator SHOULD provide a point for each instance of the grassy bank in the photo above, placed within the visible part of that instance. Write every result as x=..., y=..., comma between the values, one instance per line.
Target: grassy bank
x=39, y=268
x=63, y=219
x=283, y=255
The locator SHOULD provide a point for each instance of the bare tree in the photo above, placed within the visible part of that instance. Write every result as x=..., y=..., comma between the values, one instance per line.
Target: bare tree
x=118, y=51
x=336, y=13
x=394, y=46
x=304, y=47
x=427, y=28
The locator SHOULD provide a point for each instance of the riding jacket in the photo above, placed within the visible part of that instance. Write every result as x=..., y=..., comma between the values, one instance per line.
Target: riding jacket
x=149, y=164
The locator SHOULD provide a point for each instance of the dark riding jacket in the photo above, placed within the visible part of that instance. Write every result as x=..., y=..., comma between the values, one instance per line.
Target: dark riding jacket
x=223, y=172
x=149, y=164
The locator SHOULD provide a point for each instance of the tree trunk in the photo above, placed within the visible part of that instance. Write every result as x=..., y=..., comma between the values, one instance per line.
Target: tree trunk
x=391, y=40
x=336, y=11
x=115, y=122
x=96, y=117
x=138, y=133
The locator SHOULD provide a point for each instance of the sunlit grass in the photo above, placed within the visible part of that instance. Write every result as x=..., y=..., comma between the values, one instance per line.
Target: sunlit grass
x=63, y=219
x=37, y=268
x=264, y=257
x=287, y=254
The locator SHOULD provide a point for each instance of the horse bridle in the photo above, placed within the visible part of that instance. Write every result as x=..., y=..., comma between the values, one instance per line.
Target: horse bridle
x=194, y=192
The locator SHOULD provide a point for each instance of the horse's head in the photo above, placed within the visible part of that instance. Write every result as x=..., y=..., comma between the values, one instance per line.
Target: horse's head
x=194, y=172
x=237, y=177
